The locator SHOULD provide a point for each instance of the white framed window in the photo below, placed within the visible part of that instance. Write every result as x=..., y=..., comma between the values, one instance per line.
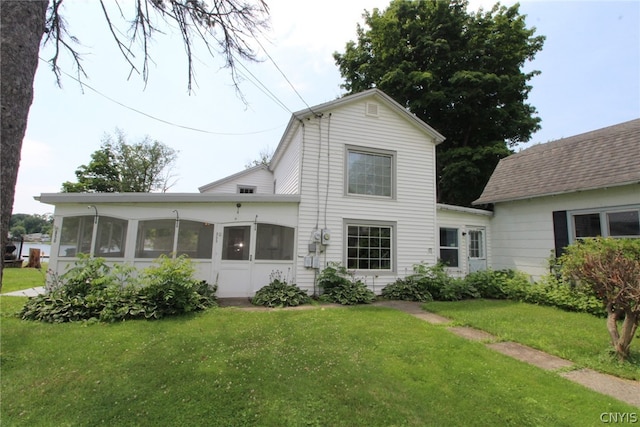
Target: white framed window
x=75, y=235
x=606, y=222
x=195, y=239
x=158, y=237
x=111, y=237
x=274, y=242
x=370, y=246
x=449, y=247
x=155, y=238
x=370, y=172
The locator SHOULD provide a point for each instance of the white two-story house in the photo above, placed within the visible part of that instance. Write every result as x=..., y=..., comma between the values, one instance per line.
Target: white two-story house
x=351, y=181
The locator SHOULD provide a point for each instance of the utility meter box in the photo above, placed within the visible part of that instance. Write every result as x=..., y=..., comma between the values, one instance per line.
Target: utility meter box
x=325, y=236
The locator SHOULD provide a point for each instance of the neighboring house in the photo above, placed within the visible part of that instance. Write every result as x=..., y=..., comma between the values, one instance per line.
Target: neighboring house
x=351, y=181
x=552, y=194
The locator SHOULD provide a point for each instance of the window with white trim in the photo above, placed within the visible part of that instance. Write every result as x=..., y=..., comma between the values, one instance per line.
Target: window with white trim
x=370, y=246
x=158, y=237
x=75, y=235
x=449, y=247
x=111, y=237
x=274, y=242
x=370, y=172
x=623, y=222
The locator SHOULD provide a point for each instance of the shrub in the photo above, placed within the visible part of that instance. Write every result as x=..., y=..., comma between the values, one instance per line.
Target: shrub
x=555, y=292
x=489, y=283
x=407, y=289
x=440, y=285
x=278, y=293
x=93, y=290
x=340, y=287
x=611, y=269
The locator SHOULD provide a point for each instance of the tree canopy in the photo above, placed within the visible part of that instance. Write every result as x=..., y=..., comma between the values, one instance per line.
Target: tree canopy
x=22, y=224
x=458, y=71
x=119, y=167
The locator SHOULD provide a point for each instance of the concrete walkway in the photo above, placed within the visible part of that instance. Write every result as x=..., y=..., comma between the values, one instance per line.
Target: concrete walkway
x=627, y=391
x=31, y=292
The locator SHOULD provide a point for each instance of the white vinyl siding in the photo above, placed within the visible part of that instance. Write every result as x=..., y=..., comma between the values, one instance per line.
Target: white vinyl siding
x=287, y=172
x=325, y=204
x=523, y=236
x=260, y=179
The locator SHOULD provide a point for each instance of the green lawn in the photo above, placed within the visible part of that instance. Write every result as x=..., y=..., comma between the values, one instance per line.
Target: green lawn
x=16, y=279
x=324, y=366
x=581, y=338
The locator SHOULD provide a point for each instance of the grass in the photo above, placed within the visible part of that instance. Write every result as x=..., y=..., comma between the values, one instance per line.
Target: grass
x=335, y=366
x=579, y=337
x=16, y=279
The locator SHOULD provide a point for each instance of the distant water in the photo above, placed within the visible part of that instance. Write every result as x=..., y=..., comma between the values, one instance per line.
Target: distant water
x=45, y=249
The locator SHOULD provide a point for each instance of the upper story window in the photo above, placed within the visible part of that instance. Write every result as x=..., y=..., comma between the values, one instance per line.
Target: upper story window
x=370, y=172
x=246, y=189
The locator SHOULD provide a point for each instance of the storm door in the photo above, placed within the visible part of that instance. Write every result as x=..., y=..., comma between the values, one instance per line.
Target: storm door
x=476, y=248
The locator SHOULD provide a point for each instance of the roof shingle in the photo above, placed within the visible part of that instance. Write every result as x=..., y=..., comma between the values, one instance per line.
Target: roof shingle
x=601, y=158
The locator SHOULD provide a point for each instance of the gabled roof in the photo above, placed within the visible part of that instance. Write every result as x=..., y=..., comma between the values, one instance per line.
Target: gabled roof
x=601, y=158
x=316, y=110
x=233, y=177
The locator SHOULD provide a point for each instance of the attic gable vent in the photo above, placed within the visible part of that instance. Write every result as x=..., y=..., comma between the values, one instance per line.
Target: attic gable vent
x=372, y=109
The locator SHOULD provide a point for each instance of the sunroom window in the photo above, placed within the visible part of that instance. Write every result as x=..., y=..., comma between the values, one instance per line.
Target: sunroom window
x=75, y=236
x=111, y=237
x=274, y=242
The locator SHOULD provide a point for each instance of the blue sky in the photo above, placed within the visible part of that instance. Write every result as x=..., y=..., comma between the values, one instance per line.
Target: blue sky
x=590, y=68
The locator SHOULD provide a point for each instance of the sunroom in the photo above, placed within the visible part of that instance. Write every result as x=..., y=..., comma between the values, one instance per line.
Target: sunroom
x=236, y=241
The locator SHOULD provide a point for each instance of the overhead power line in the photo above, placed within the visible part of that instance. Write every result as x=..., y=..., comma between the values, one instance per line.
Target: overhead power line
x=83, y=84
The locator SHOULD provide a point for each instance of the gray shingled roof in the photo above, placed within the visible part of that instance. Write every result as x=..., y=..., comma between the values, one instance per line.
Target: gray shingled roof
x=601, y=158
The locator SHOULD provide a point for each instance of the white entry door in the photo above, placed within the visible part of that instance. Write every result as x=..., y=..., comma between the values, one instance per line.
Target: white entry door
x=235, y=248
x=476, y=249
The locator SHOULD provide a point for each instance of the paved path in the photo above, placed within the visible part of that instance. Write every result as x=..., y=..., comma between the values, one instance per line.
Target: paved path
x=31, y=292
x=627, y=391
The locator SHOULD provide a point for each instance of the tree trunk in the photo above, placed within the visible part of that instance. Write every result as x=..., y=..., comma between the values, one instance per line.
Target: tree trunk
x=22, y=25
x=629, y=327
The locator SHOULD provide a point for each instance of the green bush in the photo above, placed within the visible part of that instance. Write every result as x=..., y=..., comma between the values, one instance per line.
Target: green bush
x=440, y=285
x=342, y=288
x=93, y=290
x=407, y=289
x=278, y=293
x=557, y=293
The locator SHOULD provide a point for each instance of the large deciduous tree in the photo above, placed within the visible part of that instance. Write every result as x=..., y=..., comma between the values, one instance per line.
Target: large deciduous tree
x=119, y=167
x=225, y=27
x=611, y=267
x=460, y=72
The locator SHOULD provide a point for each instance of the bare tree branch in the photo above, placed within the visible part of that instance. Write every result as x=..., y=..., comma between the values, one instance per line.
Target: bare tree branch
x=224, y=27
